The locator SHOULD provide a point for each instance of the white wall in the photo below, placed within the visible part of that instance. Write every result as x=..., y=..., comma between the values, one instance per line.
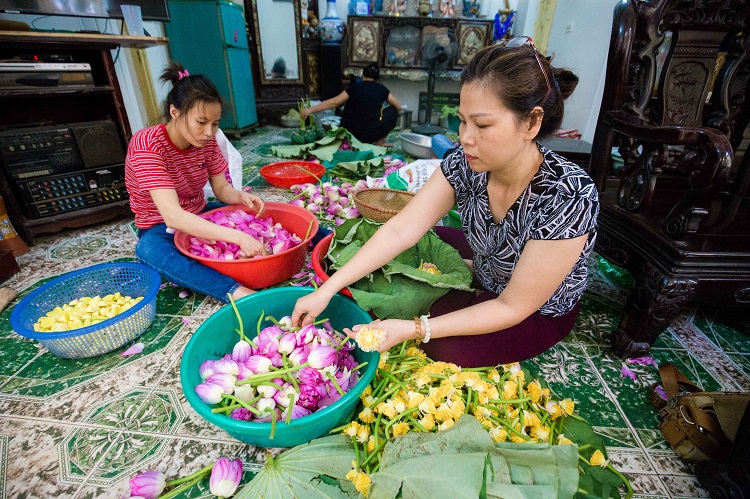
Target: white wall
x=579, y=40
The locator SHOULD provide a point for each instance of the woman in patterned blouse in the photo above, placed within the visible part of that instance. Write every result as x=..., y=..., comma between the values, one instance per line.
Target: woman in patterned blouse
x=528, y=216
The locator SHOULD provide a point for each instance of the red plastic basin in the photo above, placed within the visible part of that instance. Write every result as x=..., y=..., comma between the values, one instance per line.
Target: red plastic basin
x=263, y=271
x=319, y=264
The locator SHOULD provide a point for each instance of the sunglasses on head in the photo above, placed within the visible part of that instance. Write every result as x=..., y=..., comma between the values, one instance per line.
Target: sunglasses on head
x=520, y=41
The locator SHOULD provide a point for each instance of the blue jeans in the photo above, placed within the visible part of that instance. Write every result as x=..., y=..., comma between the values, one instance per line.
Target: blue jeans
x=442, y=145
x=156, y=249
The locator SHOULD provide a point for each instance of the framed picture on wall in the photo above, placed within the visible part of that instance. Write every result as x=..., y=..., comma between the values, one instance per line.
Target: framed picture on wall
x=471, y=37
x=366, y=36
x=402, y=47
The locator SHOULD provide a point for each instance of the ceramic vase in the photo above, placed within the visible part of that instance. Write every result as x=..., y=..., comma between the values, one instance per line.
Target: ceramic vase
x=331, y=26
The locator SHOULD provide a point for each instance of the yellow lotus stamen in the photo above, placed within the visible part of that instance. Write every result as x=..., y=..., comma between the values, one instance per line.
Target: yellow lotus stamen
x=561, y=440
x=567, y=406
x=400, y=428
x=446, y=424
x=534, y=389
x=498, y=434
x=443, y=412
x=541, y=433
x=370, y=339
x=531, y=419
x=363, y=433
x=383, y=360
x=415, y=352
x=510, y=390
x=413, y=399
x=422, y=380
x=427, y=422
x=554, y=409
x=427, y=406
x=367, y=416
x=494, y=376
x=351, y=429
x=361, y=481
x=371, y=444
x=597, y=459
x=368, y=401
x=428, y=267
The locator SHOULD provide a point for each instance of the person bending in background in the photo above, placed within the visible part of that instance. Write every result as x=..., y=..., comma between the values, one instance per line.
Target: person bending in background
x=166, y=168
x=528, y=215
x=370, y=109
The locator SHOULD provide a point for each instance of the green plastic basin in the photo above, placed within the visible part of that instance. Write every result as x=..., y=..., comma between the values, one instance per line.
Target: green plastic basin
x=216, y=337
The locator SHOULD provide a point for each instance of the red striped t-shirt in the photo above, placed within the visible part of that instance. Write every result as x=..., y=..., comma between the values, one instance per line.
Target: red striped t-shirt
x=154, y=162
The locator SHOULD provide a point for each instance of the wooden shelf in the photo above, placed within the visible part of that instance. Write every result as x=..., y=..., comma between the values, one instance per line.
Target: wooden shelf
x=54, y=92
x=80, y=39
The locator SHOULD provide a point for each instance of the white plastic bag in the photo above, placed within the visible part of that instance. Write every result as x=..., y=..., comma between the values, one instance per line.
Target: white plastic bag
x=233, y=157
x=412, y=176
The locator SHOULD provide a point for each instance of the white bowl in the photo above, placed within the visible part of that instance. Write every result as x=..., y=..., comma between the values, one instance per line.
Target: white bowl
x=416, y=145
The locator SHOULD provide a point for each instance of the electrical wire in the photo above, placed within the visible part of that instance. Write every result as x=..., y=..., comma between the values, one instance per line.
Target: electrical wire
x=35, y=20
x=122, y=30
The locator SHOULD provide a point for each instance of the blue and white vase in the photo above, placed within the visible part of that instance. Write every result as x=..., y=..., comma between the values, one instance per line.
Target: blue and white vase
x=331, y=27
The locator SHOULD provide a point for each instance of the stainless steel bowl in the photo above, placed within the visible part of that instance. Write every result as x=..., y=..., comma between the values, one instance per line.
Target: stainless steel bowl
x=416, y=145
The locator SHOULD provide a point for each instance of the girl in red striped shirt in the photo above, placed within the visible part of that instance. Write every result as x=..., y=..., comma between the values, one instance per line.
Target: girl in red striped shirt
x=166, y=168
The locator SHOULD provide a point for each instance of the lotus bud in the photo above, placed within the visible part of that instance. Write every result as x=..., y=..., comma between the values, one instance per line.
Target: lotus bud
x=210, y=393
x=299, y=203
x=225, y=477
x=344, y=200
x=206, y=369
x=266, y=404
x=297, y=412
x=241, y=351
x=288, y=343
x=245, y=372
x=285, y=322
x=226, y=365
x=322, y=357
x=313, y=208
x=282, y=396
x=258, y=364
x=360, y=184
x=224, y=380
x=351, y=212
x=148, y=485
x=244, y=392
x=299, y=355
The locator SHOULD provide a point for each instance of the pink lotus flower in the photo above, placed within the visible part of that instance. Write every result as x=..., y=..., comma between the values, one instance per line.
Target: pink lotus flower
x=148, y=485
x=206, y=369
x=224, y=380
x=258, y=364
x=241, y=351
x=242, y=414
x=322, y=357
x=308, y=397
x=310, y=376
x=225, y=477
x=299, y=355
x=210, y=393
x=226, y=365
x=297, y=412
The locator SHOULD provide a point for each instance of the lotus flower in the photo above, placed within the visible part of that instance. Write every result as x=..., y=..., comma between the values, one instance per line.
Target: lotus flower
x=258, y=364
x=241, y=351
x=210, y=393
x=149, y=485
x=226, y=365
x=224, y=380
x=322, y=357
x=225, y=477
x=206, y=369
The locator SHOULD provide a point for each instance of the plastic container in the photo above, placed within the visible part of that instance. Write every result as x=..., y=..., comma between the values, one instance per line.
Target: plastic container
x=216, y=337
x=416, y=145
x=263, y=271
x=319, y=261
x=288, y=173
x=454, y=219
x=130, y=279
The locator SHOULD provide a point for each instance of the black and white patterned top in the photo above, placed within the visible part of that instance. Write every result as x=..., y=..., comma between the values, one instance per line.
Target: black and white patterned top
x=561, y=202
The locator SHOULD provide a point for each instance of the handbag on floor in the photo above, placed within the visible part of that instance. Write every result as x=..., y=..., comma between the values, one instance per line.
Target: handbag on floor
x=698, y=425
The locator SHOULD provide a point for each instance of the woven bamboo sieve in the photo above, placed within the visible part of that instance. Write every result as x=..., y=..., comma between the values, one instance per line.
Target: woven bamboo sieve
x=381, y=204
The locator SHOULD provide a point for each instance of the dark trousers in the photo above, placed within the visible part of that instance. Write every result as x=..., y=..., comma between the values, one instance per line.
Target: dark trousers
x=373, y=132
x=532, y=336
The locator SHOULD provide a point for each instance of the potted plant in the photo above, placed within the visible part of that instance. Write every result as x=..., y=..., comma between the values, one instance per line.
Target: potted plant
x=450, y=113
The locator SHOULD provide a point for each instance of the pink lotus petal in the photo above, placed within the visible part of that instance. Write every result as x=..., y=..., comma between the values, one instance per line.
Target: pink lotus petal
x=137, y=348
x=187, y=320
x=644, y=361
x=163, y=285
x=627, y=372
x=660, y=392
x=183, y=294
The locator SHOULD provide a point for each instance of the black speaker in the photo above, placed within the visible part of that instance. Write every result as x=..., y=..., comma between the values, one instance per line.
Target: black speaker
x=99, y=143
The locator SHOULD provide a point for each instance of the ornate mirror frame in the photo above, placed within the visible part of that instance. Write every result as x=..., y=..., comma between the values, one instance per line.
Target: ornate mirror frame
x=262, y=80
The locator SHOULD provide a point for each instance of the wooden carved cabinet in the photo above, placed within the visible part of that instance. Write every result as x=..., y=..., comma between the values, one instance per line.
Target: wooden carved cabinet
x=396, y=43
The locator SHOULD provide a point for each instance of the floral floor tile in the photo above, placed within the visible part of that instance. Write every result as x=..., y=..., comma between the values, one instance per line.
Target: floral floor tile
x=53, y=469
x=683, y=486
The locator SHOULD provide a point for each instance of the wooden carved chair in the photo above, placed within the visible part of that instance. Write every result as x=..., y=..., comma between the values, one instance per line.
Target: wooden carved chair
x=675, y=106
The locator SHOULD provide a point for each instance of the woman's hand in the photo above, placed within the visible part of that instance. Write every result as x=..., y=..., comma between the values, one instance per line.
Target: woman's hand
x=253, y=202
x=305, y=113
x=397, y=330
x=250, y=246
x=309, y=307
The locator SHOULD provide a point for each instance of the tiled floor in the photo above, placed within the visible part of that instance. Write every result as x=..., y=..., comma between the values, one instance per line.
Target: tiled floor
x=81, y=428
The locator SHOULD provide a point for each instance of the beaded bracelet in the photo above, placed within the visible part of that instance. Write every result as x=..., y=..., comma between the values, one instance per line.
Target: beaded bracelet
x=418, y=327
x=426, y=323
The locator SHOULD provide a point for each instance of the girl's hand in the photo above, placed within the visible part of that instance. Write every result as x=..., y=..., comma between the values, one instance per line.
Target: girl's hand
x=398, y=331
x=253, y=202
x=309, y=307
x=250, y=246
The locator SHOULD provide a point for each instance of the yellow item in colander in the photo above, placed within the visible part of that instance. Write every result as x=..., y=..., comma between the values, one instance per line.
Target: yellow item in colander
x=83, y=312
